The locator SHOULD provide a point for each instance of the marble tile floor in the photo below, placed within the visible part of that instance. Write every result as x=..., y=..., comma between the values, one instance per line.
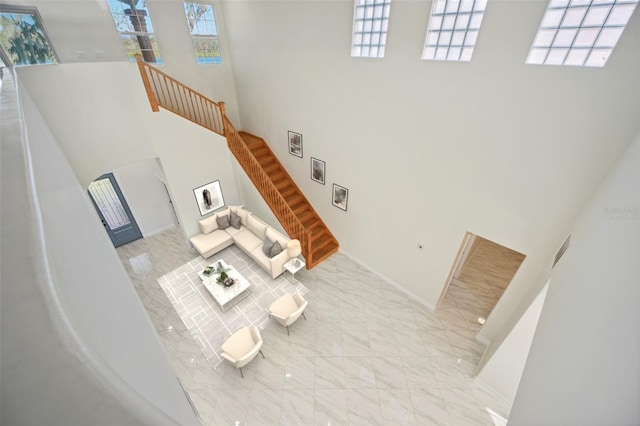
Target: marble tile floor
x=366, y=355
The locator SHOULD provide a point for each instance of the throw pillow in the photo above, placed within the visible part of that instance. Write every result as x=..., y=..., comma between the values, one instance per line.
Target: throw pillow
x=208, y=225
x=243, y=215
x=276, y=249
x=266, y=246
x=223, y=222
x=235, y=220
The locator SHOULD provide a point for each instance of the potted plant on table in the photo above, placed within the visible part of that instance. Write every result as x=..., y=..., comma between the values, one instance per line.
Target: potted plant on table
x=225, y=280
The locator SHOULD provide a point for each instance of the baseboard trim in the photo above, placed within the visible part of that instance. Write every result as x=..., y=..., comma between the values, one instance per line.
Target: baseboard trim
x=493, y=392
x=406, y=291
x=159, y=230
x=483, y=340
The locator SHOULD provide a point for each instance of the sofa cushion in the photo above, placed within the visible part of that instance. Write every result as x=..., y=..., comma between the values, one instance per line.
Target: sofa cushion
x=206, y=242
x=276, y=249
x=223, y=221
x=234, y=209
x=256, y=226
x=208, y=225
x=235, y=220
x=266, y=246
x=233, y=231
x=224, y=212
x=248, y=241
x=260, y=258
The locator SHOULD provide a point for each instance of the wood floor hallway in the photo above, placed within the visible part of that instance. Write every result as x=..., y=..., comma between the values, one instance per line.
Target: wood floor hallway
x=486, y=273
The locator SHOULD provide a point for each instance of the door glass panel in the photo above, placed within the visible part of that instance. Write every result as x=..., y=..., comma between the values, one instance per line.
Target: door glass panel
x=109, y=204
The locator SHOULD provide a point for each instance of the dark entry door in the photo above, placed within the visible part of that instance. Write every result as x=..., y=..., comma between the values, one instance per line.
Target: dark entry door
x=113, y=210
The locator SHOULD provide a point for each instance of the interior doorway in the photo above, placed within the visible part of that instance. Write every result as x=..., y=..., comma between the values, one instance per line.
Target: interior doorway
x=479, y=276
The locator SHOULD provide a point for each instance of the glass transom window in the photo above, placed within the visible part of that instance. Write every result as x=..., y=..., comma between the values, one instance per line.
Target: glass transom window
x=133, y=22
x=580, y=32
x=202, y=25
x=453, y=29
x=370, y=22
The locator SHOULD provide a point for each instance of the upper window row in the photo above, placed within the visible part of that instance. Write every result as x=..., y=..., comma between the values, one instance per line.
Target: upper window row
x=24, y=40
x=133, y=22
x=572, y=32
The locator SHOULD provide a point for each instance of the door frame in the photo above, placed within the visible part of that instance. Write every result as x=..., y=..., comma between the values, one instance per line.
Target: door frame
x=461, y=257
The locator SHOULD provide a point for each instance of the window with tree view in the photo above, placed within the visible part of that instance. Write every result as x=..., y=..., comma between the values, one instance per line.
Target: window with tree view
x=23, y=38
x=133, y=22
x=202, y=25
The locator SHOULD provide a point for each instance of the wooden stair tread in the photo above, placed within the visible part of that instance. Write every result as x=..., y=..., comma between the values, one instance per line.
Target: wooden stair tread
x=322, y=243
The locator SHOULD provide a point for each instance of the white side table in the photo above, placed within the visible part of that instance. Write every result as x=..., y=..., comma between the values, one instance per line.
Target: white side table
x=294, y=265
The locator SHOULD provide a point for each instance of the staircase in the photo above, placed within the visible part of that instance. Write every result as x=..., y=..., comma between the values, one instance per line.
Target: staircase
x=322, y=242
x=282, y=195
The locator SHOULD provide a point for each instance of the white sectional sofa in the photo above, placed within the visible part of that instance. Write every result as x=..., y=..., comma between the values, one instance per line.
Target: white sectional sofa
x=236, y=225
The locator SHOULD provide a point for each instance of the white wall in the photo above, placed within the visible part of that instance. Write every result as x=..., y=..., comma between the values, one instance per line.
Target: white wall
x=86, y=27
x=503, y=371
x=191, y=156
x=431, y=150
x=146, y=196
x=584, y=364
x=107, y=126
x=81, y=346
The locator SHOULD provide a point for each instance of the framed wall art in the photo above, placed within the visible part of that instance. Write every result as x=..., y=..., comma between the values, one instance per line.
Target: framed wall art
x=295, y=144
x=209, y=197
x=340, y=196
x=317, y=170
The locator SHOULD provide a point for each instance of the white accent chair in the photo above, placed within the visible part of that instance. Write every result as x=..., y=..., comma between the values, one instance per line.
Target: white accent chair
x=242, y=346
x=288, y=308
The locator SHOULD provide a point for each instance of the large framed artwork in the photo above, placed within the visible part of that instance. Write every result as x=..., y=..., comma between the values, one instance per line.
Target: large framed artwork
x=295, y=144
x=317, y=170
x=209, y=197
x=340, y=197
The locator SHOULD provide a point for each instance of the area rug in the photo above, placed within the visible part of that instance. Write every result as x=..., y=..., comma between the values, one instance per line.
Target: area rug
x=208, y=325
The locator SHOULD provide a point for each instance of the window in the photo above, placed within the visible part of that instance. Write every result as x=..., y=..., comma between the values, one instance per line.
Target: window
x=453, y=29
x=23, y=38
x=370, y=22
x=134, y=25
x=202, y=25
x=580, y=32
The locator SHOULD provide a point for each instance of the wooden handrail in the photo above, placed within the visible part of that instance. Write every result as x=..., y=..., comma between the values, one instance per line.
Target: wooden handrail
x=168, y=93
x=267, y=188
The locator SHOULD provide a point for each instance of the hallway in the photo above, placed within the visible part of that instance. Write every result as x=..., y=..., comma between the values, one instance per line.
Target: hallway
x=483, y=278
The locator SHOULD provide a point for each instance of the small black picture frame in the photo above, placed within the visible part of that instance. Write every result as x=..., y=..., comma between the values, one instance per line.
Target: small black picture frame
x=339, y=196
x=317, y=170
x=295, y=144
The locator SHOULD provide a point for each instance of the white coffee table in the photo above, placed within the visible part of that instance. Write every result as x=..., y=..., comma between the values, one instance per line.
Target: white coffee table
x=226, y=297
